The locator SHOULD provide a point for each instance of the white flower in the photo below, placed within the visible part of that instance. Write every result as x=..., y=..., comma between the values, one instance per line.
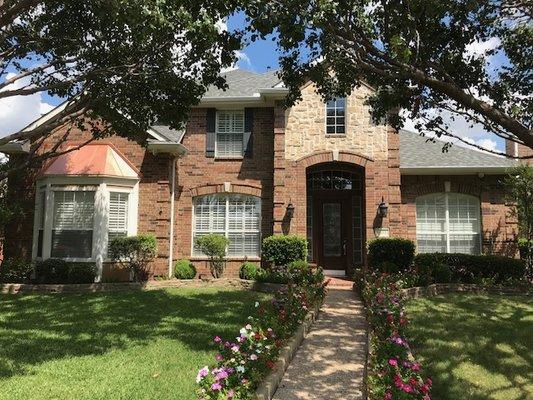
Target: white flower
x=256, y=304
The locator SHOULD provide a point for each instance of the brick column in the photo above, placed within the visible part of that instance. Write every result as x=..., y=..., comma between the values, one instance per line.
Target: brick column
x=280, y=165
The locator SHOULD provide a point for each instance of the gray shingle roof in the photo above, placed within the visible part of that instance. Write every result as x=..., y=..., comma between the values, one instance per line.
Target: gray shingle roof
x=242, y=83
x=417, y=152
x=171, y=135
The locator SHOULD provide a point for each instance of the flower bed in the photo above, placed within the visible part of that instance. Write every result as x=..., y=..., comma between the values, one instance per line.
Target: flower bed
x=242, y=363
x=393, y=372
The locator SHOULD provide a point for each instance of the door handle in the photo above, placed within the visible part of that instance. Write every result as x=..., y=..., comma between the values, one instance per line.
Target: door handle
x=344, y=245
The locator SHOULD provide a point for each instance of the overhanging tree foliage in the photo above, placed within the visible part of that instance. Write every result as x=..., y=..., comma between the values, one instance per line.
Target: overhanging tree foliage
x=130, y=63
x=417, y=54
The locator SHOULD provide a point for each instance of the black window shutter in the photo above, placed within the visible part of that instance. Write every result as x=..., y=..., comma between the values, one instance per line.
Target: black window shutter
x=247, y=140
x=211, y=132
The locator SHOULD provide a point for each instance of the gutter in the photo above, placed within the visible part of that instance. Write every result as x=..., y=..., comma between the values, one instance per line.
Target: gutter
x=174, y=148
x=172, y=201
x=494, y=170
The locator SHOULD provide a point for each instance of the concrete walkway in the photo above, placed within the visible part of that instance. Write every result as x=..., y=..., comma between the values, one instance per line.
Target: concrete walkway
x=331, y=361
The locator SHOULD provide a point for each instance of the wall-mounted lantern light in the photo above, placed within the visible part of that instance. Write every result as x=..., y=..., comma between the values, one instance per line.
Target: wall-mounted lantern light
x=383, y=208
x=290, y=210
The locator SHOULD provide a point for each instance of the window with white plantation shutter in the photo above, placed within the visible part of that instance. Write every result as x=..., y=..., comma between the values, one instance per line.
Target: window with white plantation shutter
x=238, y=217
x=118, y=215
x=448, y=223
x=229, y=134
x=73, y=220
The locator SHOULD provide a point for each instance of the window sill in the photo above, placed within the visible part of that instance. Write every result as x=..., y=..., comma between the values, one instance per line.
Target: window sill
x=335, y=135
x=232, y=258
x=235, y=158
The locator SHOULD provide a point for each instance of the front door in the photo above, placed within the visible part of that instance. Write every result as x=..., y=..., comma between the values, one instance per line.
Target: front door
x=333, y=239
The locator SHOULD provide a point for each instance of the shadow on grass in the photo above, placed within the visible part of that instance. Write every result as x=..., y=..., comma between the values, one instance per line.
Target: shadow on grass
x=40, y=328
x=475, y=347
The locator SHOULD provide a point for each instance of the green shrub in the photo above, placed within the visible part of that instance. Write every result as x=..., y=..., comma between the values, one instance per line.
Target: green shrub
x=272, y=276
x=213, y=246
x=525, y=247
x=248, y=270
x=388, y=267
x=184, y=269
x=54, y=270
x=397, y=251
x=137, y=251
x=281, y=250
x=442, y=273
x=468, y=268
x=15, y=271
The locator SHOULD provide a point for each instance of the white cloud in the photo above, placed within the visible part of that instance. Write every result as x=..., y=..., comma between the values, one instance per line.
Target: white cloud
x=243, y=57
x=478, y=48
x=18, y=111
x=475, y=134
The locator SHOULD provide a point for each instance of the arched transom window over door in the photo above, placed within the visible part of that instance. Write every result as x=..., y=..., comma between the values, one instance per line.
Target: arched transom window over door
x=448, y=223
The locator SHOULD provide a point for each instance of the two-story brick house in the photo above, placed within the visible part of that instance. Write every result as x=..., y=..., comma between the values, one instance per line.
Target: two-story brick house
x=247, y=168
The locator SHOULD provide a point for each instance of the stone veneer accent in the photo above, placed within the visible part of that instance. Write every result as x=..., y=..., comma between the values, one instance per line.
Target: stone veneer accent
x=305, y=131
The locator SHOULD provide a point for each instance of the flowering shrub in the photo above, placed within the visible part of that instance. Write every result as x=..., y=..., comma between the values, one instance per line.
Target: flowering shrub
x=393, y=372
x=242, y=363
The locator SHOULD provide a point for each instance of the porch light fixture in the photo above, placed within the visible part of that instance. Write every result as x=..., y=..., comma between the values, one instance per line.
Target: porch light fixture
x=383, y=208
x=290, y=210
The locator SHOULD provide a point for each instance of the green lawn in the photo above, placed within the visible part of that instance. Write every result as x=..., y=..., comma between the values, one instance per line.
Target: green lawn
x=475, y=347
x=122, y=345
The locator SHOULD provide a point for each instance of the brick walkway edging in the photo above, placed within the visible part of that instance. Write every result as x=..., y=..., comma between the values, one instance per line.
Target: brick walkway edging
x=268, y=387
x=16, y=288
x=445, y=288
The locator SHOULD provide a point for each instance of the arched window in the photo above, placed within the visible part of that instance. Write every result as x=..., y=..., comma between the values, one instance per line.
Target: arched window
x=236, y=216
x=448, y=223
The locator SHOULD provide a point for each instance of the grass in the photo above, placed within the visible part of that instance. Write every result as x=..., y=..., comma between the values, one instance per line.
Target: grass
x=121, y=345
x=475, y=347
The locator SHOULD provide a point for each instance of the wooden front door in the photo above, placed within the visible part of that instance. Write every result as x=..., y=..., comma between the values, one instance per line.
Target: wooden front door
x=332, y=230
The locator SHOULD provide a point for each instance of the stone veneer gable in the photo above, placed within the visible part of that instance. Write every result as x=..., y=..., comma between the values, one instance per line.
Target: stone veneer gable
x=305, y=127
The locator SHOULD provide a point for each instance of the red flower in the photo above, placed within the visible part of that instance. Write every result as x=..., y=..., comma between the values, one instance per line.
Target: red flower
x=390, y=318
x=403, y=321
x=270, y=364
x=425, y=388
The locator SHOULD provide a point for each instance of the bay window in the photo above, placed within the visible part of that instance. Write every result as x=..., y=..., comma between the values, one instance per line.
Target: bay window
x=73, y=224
x=238, y=217
x=117, y=224
x=448, y=223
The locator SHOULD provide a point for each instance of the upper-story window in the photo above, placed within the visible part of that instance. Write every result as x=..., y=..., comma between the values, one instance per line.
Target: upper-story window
x=335, y=116
x=229, y=133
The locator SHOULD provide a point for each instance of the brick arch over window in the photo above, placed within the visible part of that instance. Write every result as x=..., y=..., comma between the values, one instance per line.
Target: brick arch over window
x=226, y=187
x=332, y=156
x=455, y=187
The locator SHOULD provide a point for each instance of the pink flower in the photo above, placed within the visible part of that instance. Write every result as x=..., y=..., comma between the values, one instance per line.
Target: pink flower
x=393, y=362
x=248, y=327
x=217, y=339
x=231, y=394
x=415, y=366
x=253, y=357
x=388, y=396
x=202, y=374
x=219, y=357
x=216, y=386
x=235, y=348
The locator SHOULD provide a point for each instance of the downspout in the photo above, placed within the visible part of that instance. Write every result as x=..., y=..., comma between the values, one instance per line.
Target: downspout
x=172, y=199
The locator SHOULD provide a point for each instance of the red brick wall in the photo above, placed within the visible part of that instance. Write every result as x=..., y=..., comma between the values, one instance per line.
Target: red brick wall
x=199, y=175
x=519, y=150
x=498, y=226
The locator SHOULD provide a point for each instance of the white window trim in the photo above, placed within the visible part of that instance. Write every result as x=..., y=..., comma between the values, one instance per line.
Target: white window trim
x=333, y=135
x=226, y=228
x=217, y=114
x=446, y=231
x=102, y=188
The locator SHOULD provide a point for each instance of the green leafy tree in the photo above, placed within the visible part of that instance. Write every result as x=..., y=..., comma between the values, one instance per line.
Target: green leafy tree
x=147, y=60
x=519, y=185
x=417, y=54
x=213, y=246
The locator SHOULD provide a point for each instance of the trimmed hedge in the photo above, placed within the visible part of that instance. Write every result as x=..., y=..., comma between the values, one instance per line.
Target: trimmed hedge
x=468, y=268
x=55, y=270
x=248, y=270
x=15, y=271
x=281, y=250
x=390, y=253
x=184, y=269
